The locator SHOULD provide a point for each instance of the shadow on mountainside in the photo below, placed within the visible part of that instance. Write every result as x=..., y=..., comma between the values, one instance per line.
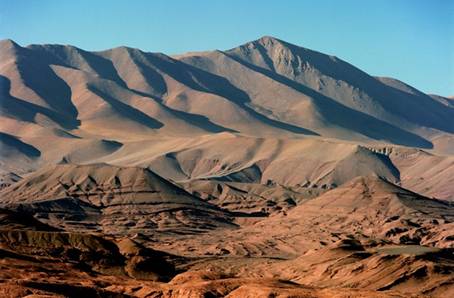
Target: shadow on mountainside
x=27, y=111
x=12, y=141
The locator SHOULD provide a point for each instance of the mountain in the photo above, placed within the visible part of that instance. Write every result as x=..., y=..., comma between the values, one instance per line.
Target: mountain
x=317, y=90
x=61, y=102
x=282, y=89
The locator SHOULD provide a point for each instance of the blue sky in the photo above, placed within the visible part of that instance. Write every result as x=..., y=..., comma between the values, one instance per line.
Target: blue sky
x=412, y=40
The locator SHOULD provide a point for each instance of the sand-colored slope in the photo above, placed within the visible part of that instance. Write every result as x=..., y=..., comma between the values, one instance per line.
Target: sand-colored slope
x=258, y=200
x=111, y=199
x=367, y=208
x=347, y=263
x=350, y=264
x=375, y=209
x=285, y=161
x=425, y=173
x=289, y=162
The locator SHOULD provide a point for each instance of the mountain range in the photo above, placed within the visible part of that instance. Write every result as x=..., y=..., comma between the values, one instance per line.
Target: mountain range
x=185, y=161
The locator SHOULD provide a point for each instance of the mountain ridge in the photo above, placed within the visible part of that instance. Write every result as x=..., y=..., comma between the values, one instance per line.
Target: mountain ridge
x=68, y=103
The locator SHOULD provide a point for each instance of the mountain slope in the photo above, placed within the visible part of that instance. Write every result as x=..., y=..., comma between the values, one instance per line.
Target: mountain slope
x=344, y=83
x=371, y=208
x=111, y=199
x=282, y=90
x=368, y=209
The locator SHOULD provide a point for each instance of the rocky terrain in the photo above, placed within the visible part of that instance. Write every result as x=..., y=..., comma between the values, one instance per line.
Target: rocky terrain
x=267, y=170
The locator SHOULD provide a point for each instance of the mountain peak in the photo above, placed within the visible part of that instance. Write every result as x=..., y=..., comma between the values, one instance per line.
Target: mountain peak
x=124, y=48
x=268, y=42
x=268, y=39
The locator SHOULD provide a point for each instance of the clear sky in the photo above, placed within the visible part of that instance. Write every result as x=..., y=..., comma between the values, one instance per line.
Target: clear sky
x=412, y=40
